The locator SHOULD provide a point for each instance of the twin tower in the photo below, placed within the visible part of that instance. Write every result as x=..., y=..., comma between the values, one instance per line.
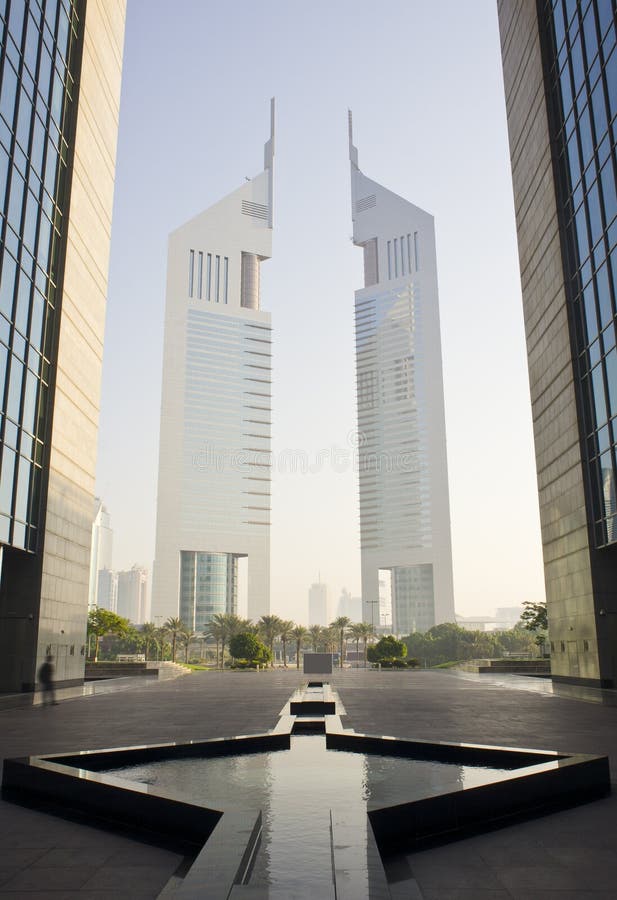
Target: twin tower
x=215, y=453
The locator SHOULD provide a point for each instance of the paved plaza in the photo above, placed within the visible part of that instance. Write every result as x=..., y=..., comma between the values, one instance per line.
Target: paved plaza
x=571, y=855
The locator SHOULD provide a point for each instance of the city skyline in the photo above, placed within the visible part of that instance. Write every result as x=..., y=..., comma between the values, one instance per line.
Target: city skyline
x=311, y=280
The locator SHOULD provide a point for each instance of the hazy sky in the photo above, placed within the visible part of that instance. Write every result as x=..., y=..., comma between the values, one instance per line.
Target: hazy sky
x=424, y=82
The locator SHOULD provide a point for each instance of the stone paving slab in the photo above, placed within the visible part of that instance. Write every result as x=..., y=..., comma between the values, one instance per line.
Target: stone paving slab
x=572, y=854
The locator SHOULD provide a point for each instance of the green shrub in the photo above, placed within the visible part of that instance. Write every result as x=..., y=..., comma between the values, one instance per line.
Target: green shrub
x=248, y=651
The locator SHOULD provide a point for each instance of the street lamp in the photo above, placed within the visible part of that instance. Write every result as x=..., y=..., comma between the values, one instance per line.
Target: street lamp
x=372, y=602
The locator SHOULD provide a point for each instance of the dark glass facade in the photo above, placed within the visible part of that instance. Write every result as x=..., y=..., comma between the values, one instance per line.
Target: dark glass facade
x=579, y=45
x=39, y=61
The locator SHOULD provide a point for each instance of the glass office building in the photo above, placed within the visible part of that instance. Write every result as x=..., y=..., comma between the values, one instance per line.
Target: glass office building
x=208, y=586
x=403, y=473
x=213, y=504
x=44, y=136
x=564, y=136
x=40, y=60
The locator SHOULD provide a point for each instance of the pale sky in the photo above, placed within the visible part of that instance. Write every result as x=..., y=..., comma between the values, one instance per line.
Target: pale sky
x=424, y=82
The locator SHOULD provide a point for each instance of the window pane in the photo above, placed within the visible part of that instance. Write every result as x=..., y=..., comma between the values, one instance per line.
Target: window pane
x=6, y=480
x=7, y=285
x=611, y=377
x=604, y=299
x=598, y=395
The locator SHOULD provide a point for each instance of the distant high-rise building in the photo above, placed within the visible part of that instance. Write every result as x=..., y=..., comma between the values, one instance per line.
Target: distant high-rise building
x=404, y=504
x=560, y=75
x=60, y=70
x=214, y=458
x=508, y=616
x=107, y=590
x=100, y=549
x=318, y=604
x=349, y=606
x=132, y=595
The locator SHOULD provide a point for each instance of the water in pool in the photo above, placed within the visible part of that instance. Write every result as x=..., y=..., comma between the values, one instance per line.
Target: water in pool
x=296, y=789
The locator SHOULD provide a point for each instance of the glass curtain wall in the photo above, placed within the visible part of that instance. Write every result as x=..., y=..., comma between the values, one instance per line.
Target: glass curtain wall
x=39, y=59
x=579, y=42
x=208, y=585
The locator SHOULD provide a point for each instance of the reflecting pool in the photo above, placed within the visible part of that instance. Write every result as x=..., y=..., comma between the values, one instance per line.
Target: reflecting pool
x=296, y=789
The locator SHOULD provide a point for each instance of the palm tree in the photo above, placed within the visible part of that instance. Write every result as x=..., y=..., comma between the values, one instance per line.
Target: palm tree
x=214, y=631
x=174, y=626
x=270, y=628
x=149, y=631
x=316, y=633
x=161, y=640
x=299, y=633
x=331, y=639
x=237, y=625
x=185, y=636
x=356, y=632
x=368, y=631
x=286, y=629
x=340, y=625
x=220, y=627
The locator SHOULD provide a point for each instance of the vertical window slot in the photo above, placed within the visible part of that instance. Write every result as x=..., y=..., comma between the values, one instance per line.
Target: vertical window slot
x=415, y=248
x=191, y=267
x=217, y=277
x=200, y=274
x=208, y=274
x=402, y=255
x=396, y=257
x=389, y=259
x=409, y=256
x=225, y=277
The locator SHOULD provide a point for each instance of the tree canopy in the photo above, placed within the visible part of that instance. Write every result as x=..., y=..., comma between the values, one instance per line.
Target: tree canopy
x=102, y=622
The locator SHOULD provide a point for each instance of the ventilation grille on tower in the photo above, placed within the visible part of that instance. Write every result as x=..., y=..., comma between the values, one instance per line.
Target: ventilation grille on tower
x=257, y=210
x=366, y=203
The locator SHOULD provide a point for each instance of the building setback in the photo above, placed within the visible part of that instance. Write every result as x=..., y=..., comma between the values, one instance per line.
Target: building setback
x=560, y=75
x=213, y=502
x=60, y=70
x=404, y=504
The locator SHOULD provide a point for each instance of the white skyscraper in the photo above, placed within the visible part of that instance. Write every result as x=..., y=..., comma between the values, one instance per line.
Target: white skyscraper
x=132, y=593
x=214, y=459
x=404, y=505
x=100, y=552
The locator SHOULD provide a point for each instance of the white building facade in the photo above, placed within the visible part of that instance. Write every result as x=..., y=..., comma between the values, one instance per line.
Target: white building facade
x=132, y=595
x=404, y=502
x=101, y=549
x=213, y=502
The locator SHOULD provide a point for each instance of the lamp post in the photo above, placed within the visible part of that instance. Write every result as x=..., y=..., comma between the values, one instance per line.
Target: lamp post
x=373, y=602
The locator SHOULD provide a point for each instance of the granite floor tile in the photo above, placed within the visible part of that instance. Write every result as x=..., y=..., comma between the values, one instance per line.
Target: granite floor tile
x=124, y=877
x=8, y=872
x=431, y=875
x=144, y=855
x=466, y=894
x=560, y=894
x=20, y=857
x=539, y=877
x=64, y=858
x=57, y=879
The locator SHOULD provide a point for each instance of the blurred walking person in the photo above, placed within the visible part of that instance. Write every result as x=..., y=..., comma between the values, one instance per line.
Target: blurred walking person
x=46, y=678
